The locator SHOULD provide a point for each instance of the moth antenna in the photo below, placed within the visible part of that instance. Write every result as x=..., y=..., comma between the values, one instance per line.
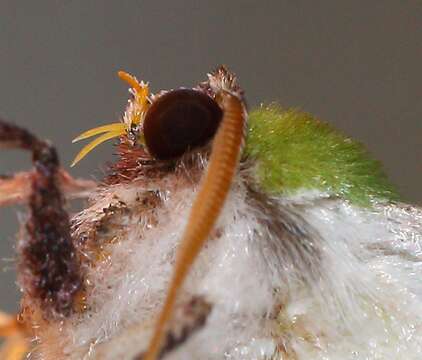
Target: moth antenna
x=207, y=206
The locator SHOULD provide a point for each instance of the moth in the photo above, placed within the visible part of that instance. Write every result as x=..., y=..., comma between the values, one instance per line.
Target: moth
x=219, y=233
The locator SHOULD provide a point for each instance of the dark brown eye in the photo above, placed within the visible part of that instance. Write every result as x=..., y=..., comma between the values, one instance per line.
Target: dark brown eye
x=179, y=121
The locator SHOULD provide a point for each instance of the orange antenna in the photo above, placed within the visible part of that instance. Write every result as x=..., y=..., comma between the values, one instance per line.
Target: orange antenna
x=207, y=206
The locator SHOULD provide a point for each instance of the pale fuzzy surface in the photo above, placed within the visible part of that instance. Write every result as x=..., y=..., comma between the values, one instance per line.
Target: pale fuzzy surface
x=351, y=289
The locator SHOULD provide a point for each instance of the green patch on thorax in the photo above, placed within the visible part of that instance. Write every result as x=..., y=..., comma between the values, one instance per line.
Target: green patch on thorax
x=293, y=151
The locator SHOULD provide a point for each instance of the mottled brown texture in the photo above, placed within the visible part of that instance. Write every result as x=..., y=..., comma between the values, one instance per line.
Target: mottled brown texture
x=88, y=232
x=48, y=265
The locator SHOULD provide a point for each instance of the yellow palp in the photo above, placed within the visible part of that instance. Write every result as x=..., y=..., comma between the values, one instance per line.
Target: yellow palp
x=99, y=130
x=116, y=127
x=99, y=140
x=134, y=114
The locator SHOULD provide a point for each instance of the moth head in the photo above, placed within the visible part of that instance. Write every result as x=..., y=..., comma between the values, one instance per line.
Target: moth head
x=168, y=124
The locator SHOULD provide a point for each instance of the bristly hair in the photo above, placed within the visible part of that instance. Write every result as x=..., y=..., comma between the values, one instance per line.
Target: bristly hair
x=134, y=161
x=221, y=79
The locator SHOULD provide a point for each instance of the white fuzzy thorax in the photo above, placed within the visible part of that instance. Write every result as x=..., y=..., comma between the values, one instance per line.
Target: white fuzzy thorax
x=335, y=282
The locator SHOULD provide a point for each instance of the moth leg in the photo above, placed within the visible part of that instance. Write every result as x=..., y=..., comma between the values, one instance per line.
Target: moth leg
x=15, y=345
x=48, y=266
x=16, y=189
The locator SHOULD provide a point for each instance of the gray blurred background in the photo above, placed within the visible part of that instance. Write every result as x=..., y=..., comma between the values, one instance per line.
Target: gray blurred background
x=355, y=64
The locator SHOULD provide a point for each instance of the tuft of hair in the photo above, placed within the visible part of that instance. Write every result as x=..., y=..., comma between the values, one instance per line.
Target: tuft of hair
x=294, y=150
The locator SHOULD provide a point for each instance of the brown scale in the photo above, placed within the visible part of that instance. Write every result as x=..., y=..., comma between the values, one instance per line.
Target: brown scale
x=134, y=162
x=93, y=236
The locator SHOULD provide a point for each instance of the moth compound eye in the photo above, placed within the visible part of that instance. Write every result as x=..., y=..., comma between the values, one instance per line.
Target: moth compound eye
x=178, y=121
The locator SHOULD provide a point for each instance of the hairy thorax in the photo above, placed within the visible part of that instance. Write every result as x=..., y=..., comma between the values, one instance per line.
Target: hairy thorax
x=280, y=277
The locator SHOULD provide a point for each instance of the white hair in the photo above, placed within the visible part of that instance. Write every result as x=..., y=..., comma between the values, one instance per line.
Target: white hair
x=300, y=277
